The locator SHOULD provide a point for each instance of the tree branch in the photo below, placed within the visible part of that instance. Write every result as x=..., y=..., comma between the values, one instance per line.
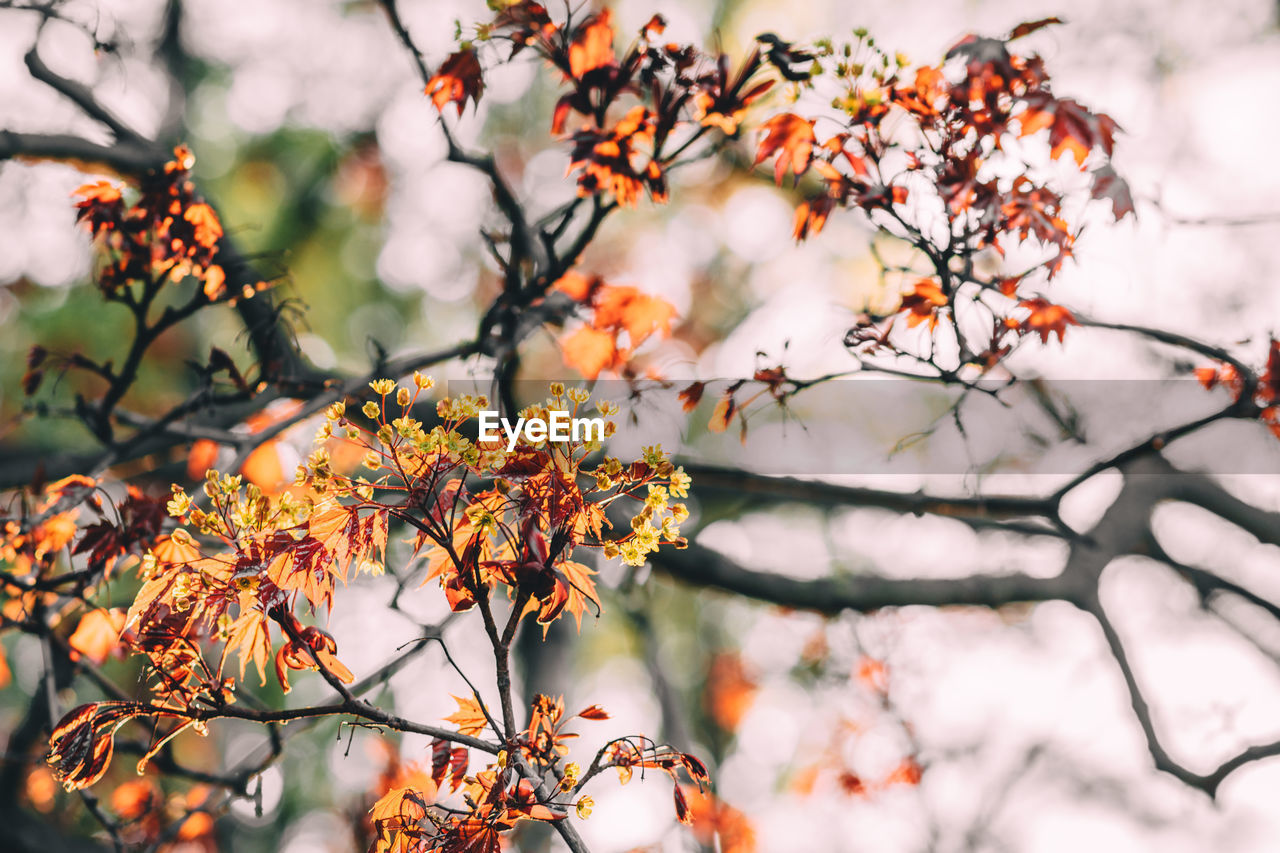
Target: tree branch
x=702, y=566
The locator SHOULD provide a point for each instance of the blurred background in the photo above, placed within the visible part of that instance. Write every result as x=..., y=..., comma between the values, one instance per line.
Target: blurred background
x=909, y=730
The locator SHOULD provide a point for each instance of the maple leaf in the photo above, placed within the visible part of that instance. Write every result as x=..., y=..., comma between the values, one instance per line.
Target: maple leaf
x=592, y=46
x=922, y=303
x=101, y=206
x=690, y=396
x=97, y=635
x=577, y=286
x=1072, y=127
x=723, y=413
x=458, y=79
x=580, y=588
x=811, y=216
x=613, y=159
x=469, y=718
x=1110, y=186
x=1046, y=318
x=207, y=227
x=83, y=741
x=249, y=636
x=589, y=351
x=101, y=192
x=792, y=138
x=638, y=313
x=396, y=814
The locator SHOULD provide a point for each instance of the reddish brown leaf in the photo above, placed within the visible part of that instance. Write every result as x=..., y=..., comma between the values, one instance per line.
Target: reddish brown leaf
x=458, y=80
x=1029, y=27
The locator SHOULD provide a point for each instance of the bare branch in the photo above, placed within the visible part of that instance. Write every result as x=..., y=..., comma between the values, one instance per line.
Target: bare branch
x=702, y=566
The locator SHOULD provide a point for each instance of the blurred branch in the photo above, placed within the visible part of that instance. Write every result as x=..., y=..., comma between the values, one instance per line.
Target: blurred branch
x=702, y=566
x=82, y=96
x=1207, y=782
x=124, y=158
x=978, y=511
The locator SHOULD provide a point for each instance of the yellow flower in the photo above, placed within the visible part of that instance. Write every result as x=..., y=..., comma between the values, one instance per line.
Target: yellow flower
x=423, y=383
x=680, y=482
x=571, y=773
x=402, y=397
x=584, y=806
x=382, y=386
x=371, y=410
x=179, y=503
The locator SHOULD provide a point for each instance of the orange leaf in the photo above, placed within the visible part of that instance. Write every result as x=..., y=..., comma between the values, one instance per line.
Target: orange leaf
x=102, y=192
x=207, y=227
x=722, y=414
x=639, y=313
x=592, y=46
x=134, y=798
x=1047, y=319
x=906, y=773
x=201, y=458
x=215, y=282
x=577, y=286
x=729, y=690
x=97, y=635
x=690, y=396
x=589, y=351
x=264, y=469
x=469, y=718
x=791, y=135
